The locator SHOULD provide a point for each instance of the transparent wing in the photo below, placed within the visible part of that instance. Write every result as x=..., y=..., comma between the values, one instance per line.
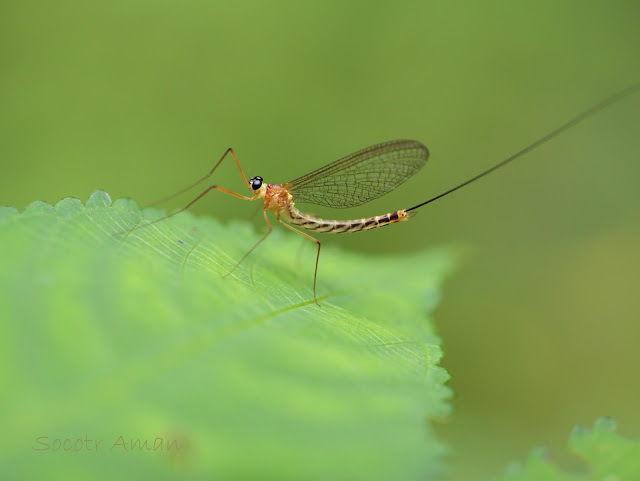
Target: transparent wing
x=362, y=176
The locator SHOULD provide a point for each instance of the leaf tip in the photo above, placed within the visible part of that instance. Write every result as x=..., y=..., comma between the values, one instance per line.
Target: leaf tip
x=579, y=431
x=605, y=424
x=127, y=204
x=99, y=199
x=68, y=206
x=38, y=206
x=7, y=212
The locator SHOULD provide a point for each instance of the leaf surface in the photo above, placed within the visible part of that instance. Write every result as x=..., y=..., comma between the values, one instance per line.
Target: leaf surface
x=117, y=338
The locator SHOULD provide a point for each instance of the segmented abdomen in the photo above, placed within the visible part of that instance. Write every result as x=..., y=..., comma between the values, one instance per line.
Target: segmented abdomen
x=315, y=223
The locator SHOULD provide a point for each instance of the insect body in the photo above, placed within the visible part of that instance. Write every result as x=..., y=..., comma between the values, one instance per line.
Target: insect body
x=348, y=182
x=284, y=207
x=354, y=180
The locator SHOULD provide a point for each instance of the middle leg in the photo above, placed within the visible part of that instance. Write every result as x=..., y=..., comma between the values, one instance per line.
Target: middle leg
x=315, y=273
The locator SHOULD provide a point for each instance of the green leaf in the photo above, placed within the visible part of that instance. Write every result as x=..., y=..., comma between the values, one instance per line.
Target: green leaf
x=116, y=338
x=608, y=456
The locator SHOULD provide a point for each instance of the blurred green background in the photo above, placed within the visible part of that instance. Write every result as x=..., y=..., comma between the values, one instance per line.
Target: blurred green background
x=540, y=325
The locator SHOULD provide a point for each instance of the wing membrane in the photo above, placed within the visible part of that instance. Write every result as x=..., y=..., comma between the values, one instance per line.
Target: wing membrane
x=362, y=176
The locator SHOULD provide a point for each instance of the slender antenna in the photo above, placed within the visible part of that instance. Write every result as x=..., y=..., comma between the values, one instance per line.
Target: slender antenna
x=577, y=119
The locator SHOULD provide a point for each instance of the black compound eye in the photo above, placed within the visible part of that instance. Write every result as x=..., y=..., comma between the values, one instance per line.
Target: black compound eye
x=256, y=183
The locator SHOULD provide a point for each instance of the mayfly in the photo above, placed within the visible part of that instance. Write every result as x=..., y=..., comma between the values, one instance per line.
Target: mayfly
x=351, y=181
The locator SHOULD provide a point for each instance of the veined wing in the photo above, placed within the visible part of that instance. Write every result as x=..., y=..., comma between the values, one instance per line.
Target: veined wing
x=362, y=176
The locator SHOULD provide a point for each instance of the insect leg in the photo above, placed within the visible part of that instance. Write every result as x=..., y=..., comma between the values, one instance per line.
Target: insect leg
x=205, y=177
x=256, y=245
x=315, y=273
x=216, y=187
